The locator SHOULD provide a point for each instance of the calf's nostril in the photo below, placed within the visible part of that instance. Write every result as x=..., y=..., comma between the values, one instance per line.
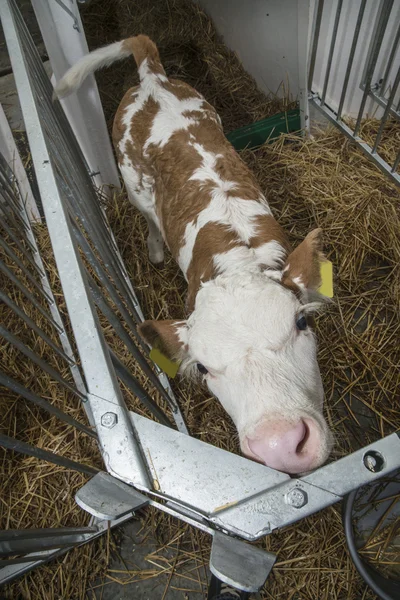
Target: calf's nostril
x=305, y=437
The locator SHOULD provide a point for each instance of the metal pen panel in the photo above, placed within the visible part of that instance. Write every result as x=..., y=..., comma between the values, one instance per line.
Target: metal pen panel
x=331, y=50
x=382, y=20
x=351, y=56
x=125, y=460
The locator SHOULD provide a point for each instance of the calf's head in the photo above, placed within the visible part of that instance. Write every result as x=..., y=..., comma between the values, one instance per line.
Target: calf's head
x=250, y=337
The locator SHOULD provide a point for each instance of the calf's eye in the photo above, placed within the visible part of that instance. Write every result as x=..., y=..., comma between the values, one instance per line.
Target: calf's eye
x=202, y=369
x=301, y=323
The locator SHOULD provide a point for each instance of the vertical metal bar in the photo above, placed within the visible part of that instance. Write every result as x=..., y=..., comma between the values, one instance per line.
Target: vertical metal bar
x=317, y=28
x=19, y=389
x=387, y=111
x=396, y=163
x=12, y=444
x=390, y=63
x=331, y=50
x=351, y=57
x=124, y=460
x=382, y=21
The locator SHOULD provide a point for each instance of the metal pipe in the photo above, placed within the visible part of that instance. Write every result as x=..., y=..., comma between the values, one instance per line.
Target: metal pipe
x=23, y=448
x=387, y=111
x=351, y=57
x=331, y=50
x=317, y=28
x=19, y=389
x=382, y=21
x=22, y=541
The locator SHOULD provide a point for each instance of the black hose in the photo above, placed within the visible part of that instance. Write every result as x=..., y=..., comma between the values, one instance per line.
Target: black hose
x=386, y=589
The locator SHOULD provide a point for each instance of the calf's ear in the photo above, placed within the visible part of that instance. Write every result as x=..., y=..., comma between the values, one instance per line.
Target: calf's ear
x=170, y=336
x=302, y=270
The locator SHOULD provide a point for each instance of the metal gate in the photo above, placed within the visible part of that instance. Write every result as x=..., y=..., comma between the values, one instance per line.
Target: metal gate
x=353, y=70
x=149, y=462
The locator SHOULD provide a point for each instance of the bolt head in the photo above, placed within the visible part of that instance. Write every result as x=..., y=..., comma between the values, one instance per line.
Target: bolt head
x=296, y=498
x=109, y=420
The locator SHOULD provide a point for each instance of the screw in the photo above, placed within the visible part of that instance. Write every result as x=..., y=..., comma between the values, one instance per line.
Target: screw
x=296, y=498
x=109, y=419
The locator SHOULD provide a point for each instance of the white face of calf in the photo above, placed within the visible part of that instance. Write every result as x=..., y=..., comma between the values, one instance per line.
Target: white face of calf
x=249, y=337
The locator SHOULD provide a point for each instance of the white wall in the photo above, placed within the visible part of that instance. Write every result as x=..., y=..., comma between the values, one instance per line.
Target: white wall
x=263, y=33
x=266, y=35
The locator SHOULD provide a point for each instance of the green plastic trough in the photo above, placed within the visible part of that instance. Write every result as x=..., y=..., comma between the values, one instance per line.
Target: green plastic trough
x=267, y=130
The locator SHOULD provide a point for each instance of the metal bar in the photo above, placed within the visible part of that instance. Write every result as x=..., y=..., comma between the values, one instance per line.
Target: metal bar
x=20, y=246
x=36, y=540
x=396, y=163
x=15, y=211
x=317, y=29
x=351, y=57
x=39, y=361
x=9, y=572
x=33, y=534
x=19, y=389
x=23, y=268
x=364, y=147
x=31, y=323
x=138, y=390
x=386, y=113
x=124, y=460
x=81, y=180
x=4, y=269
x=104, y=279
x=382, y=21
x=331, y=50
x=383, y=102
x=12, y=444
x=390, y=62
x=125, y=337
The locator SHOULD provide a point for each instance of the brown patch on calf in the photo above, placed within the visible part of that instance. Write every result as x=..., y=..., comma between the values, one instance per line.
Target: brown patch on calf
x=304, y=263
x=163, y=335
x=142, y=47
x=268, y=230
x=212, y=239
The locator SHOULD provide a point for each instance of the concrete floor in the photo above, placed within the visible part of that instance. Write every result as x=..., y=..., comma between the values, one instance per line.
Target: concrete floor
x=133, y=554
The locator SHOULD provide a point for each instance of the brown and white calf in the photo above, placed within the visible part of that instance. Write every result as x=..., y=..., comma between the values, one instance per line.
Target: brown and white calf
x=248, y=293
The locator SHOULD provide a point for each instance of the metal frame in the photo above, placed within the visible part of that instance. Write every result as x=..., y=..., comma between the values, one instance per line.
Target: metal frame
x=371, y=90
x=148, y=463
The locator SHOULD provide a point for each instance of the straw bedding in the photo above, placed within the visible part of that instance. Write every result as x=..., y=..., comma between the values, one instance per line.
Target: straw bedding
x=324, y=182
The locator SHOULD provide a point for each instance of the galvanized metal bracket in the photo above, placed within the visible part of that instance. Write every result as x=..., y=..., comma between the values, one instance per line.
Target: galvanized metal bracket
x=108, y=498
x=238, y=564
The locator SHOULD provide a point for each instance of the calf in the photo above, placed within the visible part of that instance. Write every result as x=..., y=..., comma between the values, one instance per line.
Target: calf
x=248, y=333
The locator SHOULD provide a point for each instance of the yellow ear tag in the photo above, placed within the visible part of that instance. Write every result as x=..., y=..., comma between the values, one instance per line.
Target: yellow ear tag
x=326, y=288
x=170, y=367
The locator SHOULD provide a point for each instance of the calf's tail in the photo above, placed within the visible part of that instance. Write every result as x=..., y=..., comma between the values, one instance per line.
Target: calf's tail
x=144, y=52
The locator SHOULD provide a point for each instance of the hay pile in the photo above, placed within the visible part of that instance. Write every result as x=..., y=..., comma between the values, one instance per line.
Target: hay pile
x=324, y=182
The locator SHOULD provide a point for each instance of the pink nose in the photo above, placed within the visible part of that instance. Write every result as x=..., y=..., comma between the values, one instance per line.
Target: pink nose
x=288, y=447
